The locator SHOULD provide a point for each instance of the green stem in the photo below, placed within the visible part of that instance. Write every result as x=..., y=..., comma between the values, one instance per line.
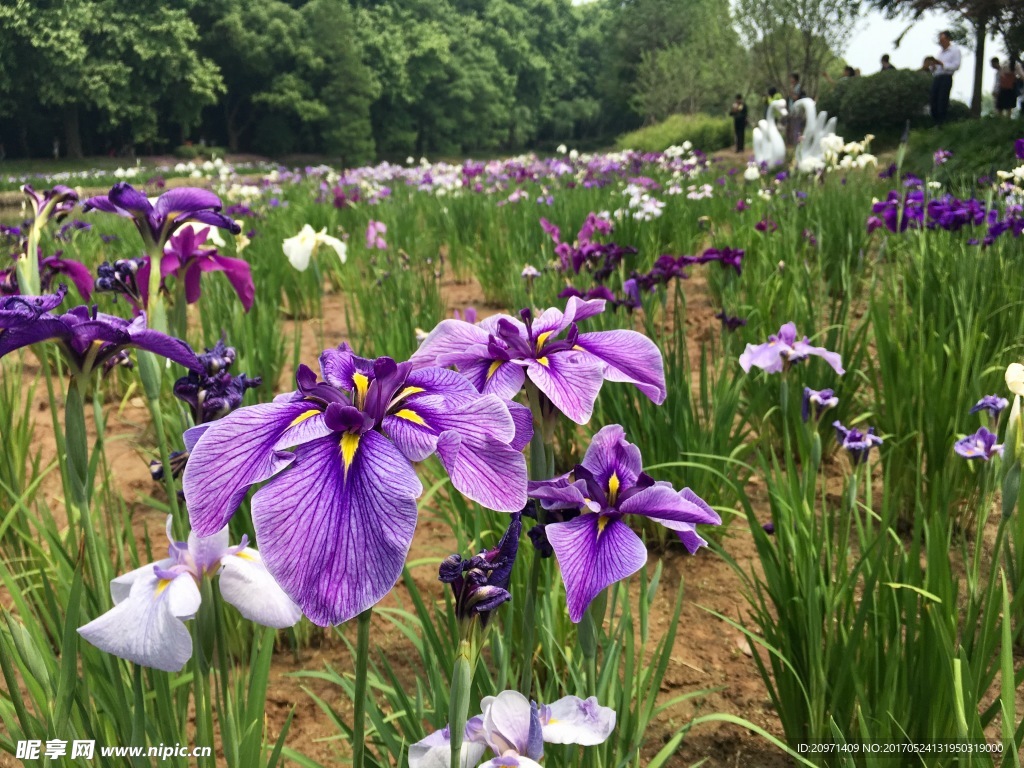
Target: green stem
x=76, y=442
x=538, y=471
x=362, y=663
x=458, y=704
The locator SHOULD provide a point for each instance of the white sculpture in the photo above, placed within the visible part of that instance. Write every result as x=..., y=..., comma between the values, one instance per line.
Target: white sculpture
x=769, y=148
x=810, y=153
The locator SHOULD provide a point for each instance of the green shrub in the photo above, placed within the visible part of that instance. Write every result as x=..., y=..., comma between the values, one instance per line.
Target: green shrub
x=979, y=147
x=703, y=131
x=881, y=103
x=186, y=152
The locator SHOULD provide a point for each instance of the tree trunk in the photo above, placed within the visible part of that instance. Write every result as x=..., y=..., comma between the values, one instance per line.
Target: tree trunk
x=980, y=28
x=72, y=134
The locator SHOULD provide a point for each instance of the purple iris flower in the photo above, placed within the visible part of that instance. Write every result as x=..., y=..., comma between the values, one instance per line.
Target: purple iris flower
x=818, y=400
x=501, y=352
x=597, y=548
x=515, y=730
x=53, y=203
x=858, y=443
x=123, y=278
x=66, y=232
x=186, y=258
x=730, y=322
x=214, y=393
x=337, y=517
x=1018, y=148
x=994, y=404
x=49, y=268
x=375, y=231
x=941, y=156
x=88, y=338
x=980, y=445
x=157, y=221
x=480, y=584
x=782, y=350
x=151, y=603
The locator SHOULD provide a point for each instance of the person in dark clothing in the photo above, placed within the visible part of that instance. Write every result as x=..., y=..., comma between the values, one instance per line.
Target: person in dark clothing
x=886, y=64
x=739, y=120
x=942, y=68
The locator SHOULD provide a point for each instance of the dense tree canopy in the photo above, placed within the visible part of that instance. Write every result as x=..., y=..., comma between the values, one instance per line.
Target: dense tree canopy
x=357, y=79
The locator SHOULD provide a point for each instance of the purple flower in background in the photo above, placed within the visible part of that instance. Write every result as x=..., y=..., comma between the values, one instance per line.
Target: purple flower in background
x=53, y=203
x=766, y=225
x=727, y=257
x=858, y=443
x=187, y=259
x=157, y=221
x=993, y=404
x=1018, y=148
x=819, y=400
x=375, y=232
x=597, y=548
x=515, y=731
x=980, y=445
x=941, y=156
x=337, y=517
x=782, y=350
x=66, y=232
x=480, y=584
x=49, y=268
x=741, y=205
x=89, y=339
x=500, y=353
x=214, y=393
x=729, y=322
x=889, y=172
x=122, y=279
x=874, y=223
x=151, y=603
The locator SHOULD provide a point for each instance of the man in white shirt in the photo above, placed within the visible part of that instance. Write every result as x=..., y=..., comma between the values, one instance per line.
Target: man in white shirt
x=942, y=68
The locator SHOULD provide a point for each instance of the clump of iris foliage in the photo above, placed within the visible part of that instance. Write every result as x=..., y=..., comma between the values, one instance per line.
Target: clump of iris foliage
x=572, y=433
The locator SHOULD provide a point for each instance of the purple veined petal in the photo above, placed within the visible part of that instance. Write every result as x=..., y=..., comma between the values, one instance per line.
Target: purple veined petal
x=147, y=627
x=185, y=201
x=166, y=346
x=246, y=584
x=522, y=417
x=787, y=333
x=87, y=330
x=490, y=324
x=335, y=529
x=581, y=309
x=455, y=388
x=124, y=196
x=491, y=377
x=215, y=219
x=571, y=720
x=489, y=472
x=687, y=534
x=207, y=551
x=448, y=336
x=435, y=750
x=802, y=349
x=238, y=451
x=191, y=436
x=609, y=452
x=662, y=503
x=103, y=203
x=593, y=552
x=339, y=365
x=238, y=273
x=559, y=493
x=507, y=719
x=193, y=285
x=44, y=328
x=570, y=381
x=79, y=274
x=629, y=357
x=767, y=357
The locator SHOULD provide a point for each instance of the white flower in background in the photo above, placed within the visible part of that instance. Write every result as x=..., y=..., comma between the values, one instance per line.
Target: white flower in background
x=530, y=271
x=753, y=173
x=562, y=149
x=866, y=159
x=300, y=249
x=810, y=165
x=1015, y=378
x=574, y=155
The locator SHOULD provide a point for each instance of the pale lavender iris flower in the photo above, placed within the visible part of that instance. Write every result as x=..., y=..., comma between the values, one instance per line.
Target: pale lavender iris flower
x=151, y=603
x=597, y=548
x=337, y=517
x=567, y=366
x=782, y=350
x=980, y=445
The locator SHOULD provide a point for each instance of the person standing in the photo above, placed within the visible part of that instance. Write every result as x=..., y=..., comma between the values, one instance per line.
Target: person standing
x=886, y=64
x=794, y=122
x=1004, y=89
x=739, y=120
x=942, y=68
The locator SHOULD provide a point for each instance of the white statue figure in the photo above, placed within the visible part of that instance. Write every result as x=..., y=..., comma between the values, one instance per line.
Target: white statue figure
x=810, y=153
x=769, y=147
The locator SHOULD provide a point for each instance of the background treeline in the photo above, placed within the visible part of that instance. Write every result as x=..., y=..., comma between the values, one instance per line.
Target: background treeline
x=364, y=79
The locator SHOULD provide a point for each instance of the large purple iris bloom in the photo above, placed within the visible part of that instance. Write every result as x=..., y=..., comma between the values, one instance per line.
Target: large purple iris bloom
x=782, y=350
x=88, y=338
x=597, y=548
x=335, y=528
x=158, y=220
x=501, y=352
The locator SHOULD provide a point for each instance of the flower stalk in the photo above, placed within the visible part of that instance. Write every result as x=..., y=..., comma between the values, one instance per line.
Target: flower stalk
x=362, y=667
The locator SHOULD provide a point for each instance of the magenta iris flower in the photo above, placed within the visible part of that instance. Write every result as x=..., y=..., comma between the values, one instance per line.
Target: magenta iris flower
x=782, y=350
x=375, y=231
x=89, y=339
x=597, y=548
x=567, y=366
x=53, y=203
x=186, y=259
x=336, y=519
x=49, y=268
x=980, y=445
x=157, y=221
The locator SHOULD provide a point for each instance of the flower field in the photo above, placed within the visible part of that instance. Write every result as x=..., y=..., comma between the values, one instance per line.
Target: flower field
x=595, y=459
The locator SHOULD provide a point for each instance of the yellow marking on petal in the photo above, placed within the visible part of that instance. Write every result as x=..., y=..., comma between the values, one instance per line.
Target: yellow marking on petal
x=602, y=523
x=543, y=338
x=302, y=417
x=494, y=368
x=409, y=391
x=362, y=383
x=245, y=555
x=578, y=348
x=613, y=488
x=412, y=416
x=349, y=444
x=553, y=721
x=544, y=361
x=161, y=586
